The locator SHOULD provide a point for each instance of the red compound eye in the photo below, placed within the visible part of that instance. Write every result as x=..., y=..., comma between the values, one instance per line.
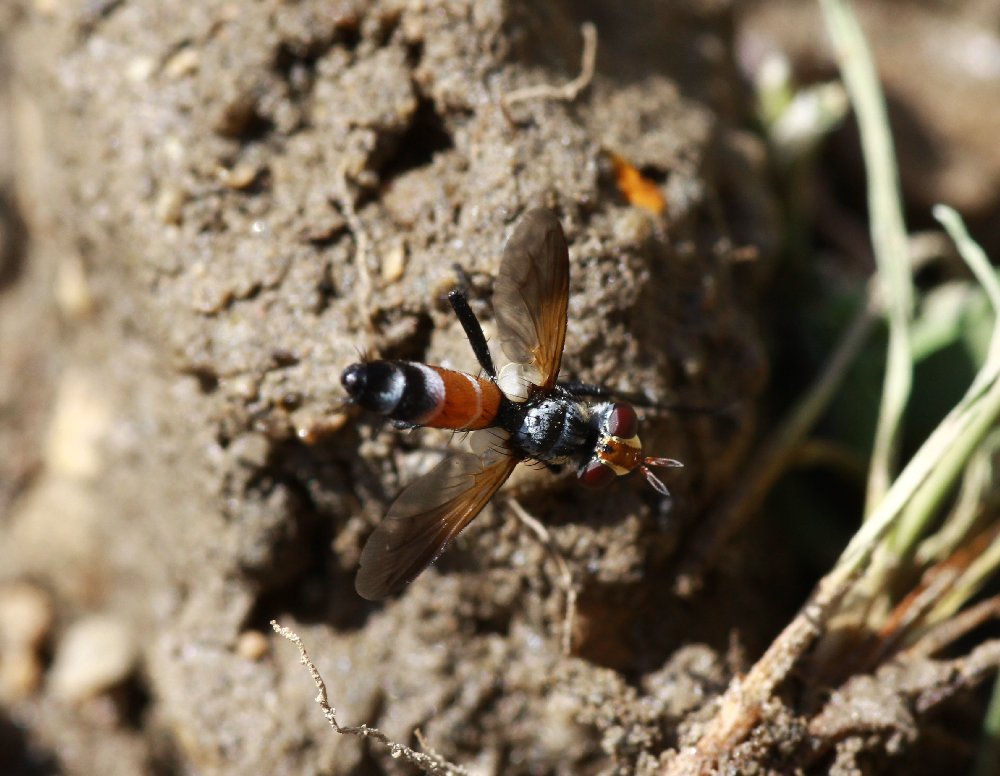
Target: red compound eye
x=595, y=474
x=622, y=421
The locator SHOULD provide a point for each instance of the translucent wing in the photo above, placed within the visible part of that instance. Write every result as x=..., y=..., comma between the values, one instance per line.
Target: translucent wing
x=530, y=296
x=426, y=516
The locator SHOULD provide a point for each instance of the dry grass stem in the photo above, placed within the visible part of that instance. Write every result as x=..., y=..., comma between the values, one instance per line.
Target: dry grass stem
x=567, y=92
x=428, y=762
x=344, y=198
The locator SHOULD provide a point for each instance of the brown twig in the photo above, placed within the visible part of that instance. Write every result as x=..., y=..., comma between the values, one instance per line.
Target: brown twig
x=960, y=674
x=941, y=635
x=431, y=762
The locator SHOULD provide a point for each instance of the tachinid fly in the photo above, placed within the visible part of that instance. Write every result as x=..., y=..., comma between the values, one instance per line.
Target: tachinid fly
x=518, y=414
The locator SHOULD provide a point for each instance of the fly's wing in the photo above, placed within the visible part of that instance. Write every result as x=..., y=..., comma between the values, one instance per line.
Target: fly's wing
x=531, y=294
x=426, y=516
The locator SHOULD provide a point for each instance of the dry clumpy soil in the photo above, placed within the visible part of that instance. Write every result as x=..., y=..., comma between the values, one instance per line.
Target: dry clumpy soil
x=210, y=209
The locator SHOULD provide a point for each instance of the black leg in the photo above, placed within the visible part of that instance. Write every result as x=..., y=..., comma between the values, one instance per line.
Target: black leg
x=575, y=388
x=578, y=389
x=473, y=331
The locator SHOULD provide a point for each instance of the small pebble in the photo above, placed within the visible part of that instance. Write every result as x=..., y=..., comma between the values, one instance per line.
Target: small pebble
x=245, y=387
x=173, y=148
x=239, y=177
x=26, y=619
x=79, y=425
x=394, y=263
x=313, y=430
x=25, y=616
x=139, y=69
x=183, y=63
x=94, y=655
x=72, y=291
x=169, y=204
x=252, y=645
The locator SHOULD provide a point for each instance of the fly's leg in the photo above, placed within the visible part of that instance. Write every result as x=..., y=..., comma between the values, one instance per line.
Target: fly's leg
x=473, y=330
x=585, y=390
x=578, y=389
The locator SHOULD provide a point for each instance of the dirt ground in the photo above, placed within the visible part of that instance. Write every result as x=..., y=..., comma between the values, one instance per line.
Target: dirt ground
x=206, y=211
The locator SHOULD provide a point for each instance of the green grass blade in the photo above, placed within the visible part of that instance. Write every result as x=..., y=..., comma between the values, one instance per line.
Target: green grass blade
x=888, y=234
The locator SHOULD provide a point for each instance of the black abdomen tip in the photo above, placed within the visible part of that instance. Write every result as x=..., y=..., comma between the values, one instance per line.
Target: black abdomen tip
x=353, y=380
x=376, y=385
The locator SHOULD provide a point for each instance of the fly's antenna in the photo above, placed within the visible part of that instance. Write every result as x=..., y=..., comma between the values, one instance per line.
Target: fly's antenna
x=668, y=463
x=651, y=478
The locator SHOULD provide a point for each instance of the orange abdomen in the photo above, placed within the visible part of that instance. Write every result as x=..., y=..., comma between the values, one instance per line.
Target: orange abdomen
x=467, y=402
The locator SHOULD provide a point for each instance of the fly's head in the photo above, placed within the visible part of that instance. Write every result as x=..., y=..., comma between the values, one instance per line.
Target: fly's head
x=618, y=450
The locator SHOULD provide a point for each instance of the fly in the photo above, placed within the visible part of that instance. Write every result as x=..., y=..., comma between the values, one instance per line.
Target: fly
x=518, y=414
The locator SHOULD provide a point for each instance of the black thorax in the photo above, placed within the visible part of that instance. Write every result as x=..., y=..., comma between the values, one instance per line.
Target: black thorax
x=552, y=427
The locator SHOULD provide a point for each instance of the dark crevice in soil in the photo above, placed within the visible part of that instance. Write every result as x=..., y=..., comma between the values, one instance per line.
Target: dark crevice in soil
x=426, y=136
x=19, y=756
x=411, y=346
x=414, y=53
x=608, y=639
x=282, y=357
x=387, y=29
x=317, y=590
x=299, y=546
x=208, y=380
x=296, y=62
x=317, y=596
x=255, y=127
x=326, y=289
x=497, y=623
x=242, y=120
x=13, y=241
